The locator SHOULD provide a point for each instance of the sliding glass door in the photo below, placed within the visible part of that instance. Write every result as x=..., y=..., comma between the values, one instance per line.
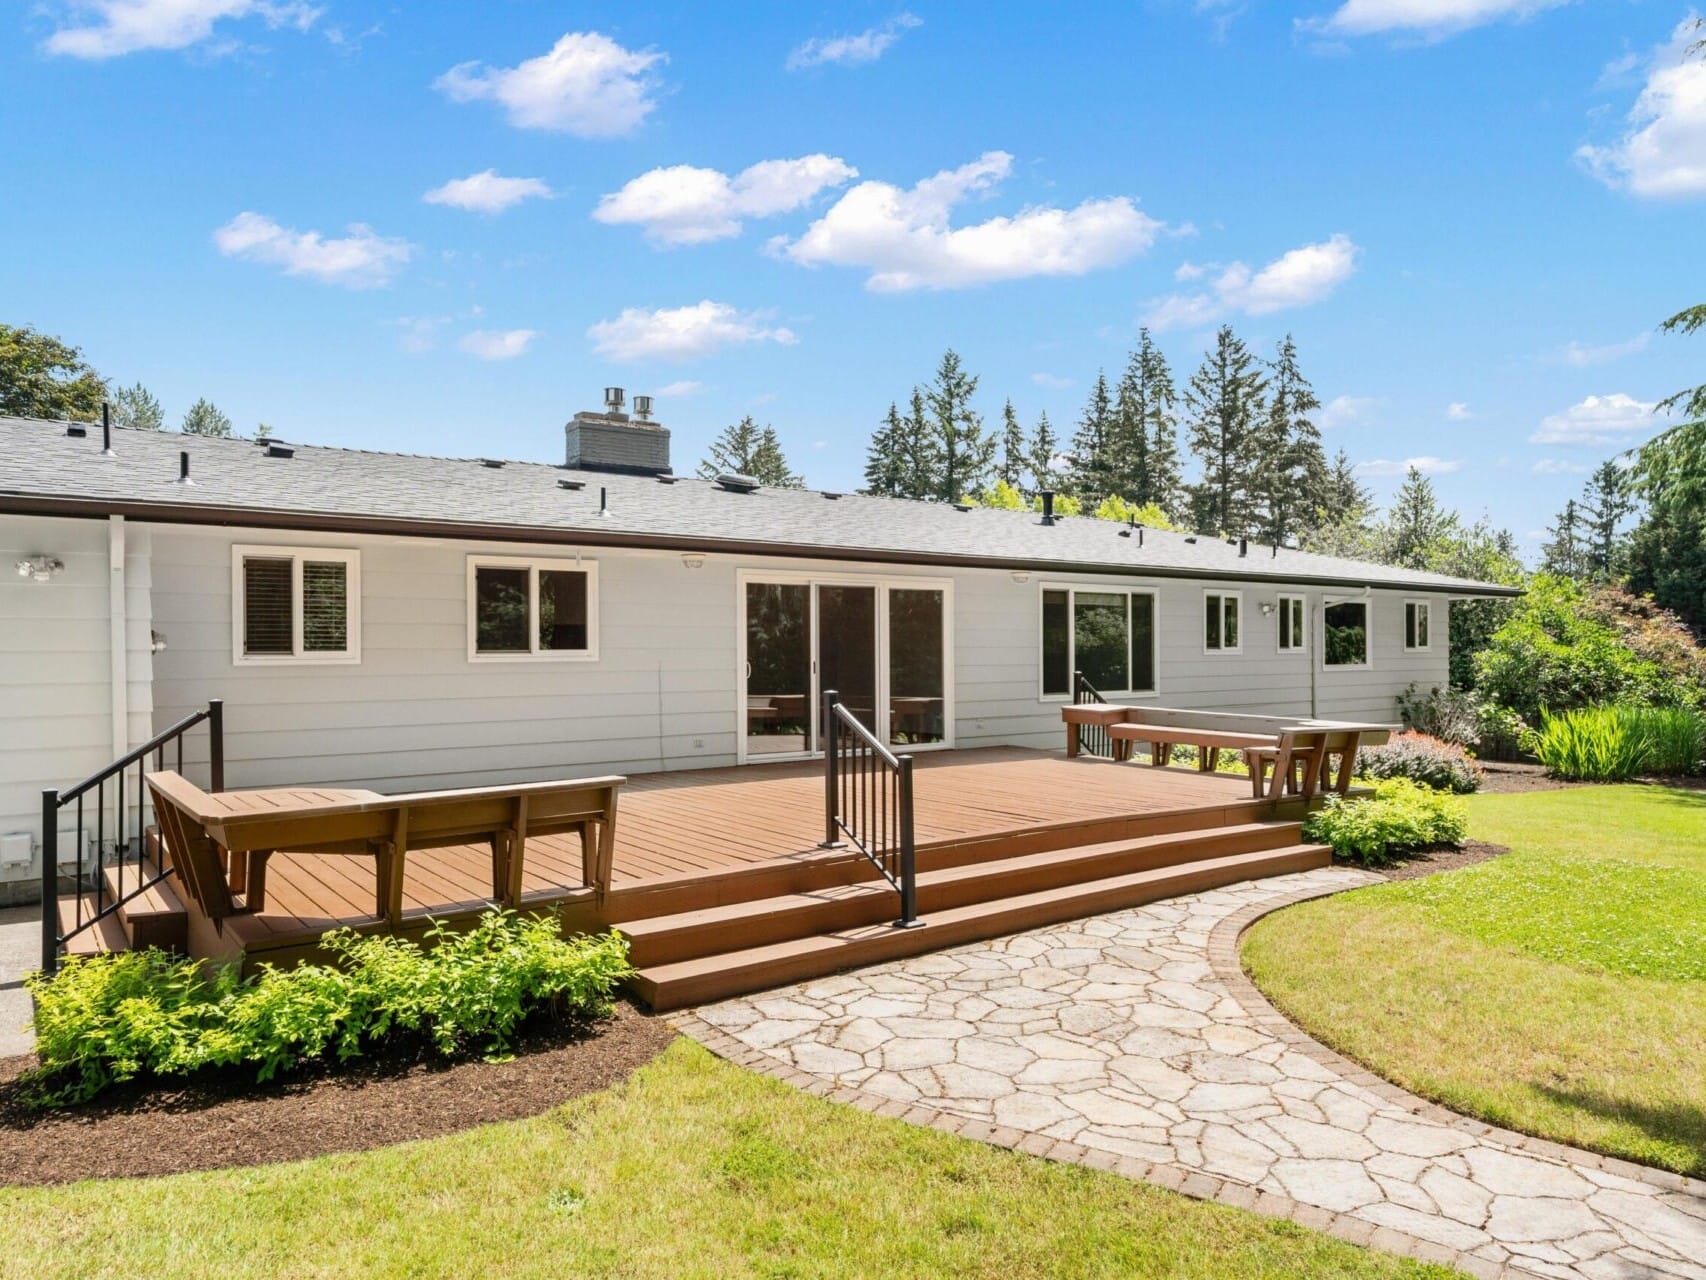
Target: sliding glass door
x=884, y=647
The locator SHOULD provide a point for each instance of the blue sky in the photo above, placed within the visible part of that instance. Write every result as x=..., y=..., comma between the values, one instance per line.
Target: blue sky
x=442, y=228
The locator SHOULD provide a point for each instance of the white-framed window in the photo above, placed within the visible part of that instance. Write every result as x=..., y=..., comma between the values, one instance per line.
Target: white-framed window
x=1418, y=625
x=1346, y=627
x=523, y=609
x=1293, y=624
x=1109, y=634
x=295, y=604
x=1222, y=622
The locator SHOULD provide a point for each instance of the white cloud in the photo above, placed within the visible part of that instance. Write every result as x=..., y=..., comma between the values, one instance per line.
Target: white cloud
x=1430, y=19
x=488, y=192
x=419, y=334
x=1560, y=467
x=684, y=205
x=903, y=237
x=1611, y=419
x=677, y=390
x=587, y=85
x=1457, y=411
x=681, y=333
x=851, y=51
x=1185, y=272
x=1427, y=464
x=1582, y=355
x=497, y=344
x=129, y=26
x=1662, y=154
x=360, y=260
x=1053, y=382
x=1298, y=278
x=1345, y=411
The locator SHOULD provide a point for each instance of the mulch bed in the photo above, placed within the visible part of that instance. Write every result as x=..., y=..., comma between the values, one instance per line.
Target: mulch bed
x=1429, y=862
x=225, y=1119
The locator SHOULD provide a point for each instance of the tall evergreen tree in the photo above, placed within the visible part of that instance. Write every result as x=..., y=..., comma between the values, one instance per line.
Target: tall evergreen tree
x=883, y=465
x=1148, y=429
x=1343, y=496
x=1096, y=461
x=1416, y=522
x=1292, y=468
x=1223, y=405
x=136, y=407
x=1044, y=447
x=964, y=452
x=1562, y=552
x=1606, y=503
x=206, y=419
x=747, y=449
x=1011, y=468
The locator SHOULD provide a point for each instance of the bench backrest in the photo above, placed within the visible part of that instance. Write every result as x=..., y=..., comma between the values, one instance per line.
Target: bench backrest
x=186, y=844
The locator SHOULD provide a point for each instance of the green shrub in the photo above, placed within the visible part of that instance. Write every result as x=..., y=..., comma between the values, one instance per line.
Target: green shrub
x=110, y=1018
x=1451, y=715
x=1609, y=744
x=1400, y=817
x=1444, y=766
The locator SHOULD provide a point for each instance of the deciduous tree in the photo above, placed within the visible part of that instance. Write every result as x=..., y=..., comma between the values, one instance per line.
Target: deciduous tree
x=43, y=377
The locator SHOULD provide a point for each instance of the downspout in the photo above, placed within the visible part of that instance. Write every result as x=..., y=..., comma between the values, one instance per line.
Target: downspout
x=118, y=637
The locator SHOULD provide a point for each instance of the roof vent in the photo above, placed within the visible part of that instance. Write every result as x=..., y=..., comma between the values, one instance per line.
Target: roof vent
x=1191, y=538
x=571, y=484
x=493, y=463
x=77, y=431
x=738, y=484
x=613, y=399
x=1047, y=495
x=279, y=450
x=668, y=477
x=184, y=467
x=643, y=408
x=831, y=496
x=107, y=430
x=1243, y=546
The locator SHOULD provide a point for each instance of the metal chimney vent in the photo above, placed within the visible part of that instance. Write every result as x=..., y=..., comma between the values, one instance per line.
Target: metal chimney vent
x=738, y=484
x=613, y=398
x=643, y=408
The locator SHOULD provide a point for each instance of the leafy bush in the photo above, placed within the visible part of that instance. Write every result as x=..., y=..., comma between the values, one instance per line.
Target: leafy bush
x=1607, y=744
x=110, y=1018
x=1400, y=817
x=1421, y=758
x=1501, y=732
x=1451, y=715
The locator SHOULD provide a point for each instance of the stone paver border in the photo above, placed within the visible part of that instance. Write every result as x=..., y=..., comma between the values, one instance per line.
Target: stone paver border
x=1197, y=1183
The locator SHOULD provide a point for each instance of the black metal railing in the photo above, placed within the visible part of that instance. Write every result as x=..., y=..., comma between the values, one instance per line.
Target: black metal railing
x=94, y=899
x=867, y=802
x=1093, y=739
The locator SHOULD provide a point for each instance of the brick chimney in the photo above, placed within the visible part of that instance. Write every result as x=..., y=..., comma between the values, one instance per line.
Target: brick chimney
x=614, y=441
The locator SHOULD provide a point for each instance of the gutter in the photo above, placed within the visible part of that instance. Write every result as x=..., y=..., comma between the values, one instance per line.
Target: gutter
x=247, y=518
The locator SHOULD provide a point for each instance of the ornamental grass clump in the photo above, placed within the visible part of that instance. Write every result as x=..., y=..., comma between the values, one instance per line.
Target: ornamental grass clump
x=105, y=1019
x=1421, y=758
x=1612, y=744
x=1400, y=817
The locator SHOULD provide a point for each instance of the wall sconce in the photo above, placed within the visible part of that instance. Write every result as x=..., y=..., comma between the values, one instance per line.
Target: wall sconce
x=156, y=642
x=693, y=560
x=1019, y=575
x=41, y=568
x=1268, y=608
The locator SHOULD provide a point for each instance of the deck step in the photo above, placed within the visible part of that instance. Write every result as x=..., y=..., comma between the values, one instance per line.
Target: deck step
x=98, y=939
x=714, y=977
x=153, y=918
x=667, y=939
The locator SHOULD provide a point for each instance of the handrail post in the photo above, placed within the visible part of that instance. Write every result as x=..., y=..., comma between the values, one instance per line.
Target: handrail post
x=216, y=744
x=49, y=880
x=831, y=836
x=908, y=850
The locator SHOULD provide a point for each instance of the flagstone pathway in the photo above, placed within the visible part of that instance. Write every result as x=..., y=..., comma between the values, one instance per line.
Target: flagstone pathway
x=1133, y=1042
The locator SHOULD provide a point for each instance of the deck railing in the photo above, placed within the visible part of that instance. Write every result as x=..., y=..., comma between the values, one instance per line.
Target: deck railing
x=1093, y=739
x=867, y=802
x=129, y=830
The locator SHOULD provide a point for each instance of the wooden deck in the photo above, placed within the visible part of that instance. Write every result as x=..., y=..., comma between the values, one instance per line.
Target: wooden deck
x=696, y=837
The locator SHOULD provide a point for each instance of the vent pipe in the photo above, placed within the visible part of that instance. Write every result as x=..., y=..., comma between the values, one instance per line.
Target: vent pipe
x=1047, y=496
x=184, y=467
x=107, y=431
x=643, y=408
x=603, y=501
x=1243, y=546
x=613, y=399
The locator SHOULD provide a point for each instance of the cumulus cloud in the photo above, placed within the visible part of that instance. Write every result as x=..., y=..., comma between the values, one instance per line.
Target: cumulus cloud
x=587, y=85
x=676, y=390
x=497, y=344
x=488, y=192
x=117, y=27
x=1457, y=411
x=362, y=259
x=1429, y=19
x=851, y=51
x=1298, y=278
x=904, y=240
x=1582, y=354
x=1427, y=464
x=1600, y=420
x=681, y=204
x=682, y=333
x=1662, y=153
x=1345, y=411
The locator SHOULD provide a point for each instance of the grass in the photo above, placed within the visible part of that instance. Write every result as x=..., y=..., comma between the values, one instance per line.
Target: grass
x=692, y=1168
x=1560, y=990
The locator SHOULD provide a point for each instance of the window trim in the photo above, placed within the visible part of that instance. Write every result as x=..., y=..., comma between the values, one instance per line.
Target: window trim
x=1367, y=662
x=534, y=565
x=1427, y=609
x=1072, y=589
x=1302, y=639
x=349, y=557
x=1224, y=595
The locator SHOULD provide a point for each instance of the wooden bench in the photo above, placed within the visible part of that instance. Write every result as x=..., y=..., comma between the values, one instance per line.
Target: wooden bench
x=1298, y=761
x=220, y=843
x=1163, y=738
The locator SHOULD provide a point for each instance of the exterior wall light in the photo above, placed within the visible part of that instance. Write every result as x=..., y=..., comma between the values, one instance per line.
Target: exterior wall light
x=1019, y=575
x=41, y=568
x=693, y=560
x=1268, y=608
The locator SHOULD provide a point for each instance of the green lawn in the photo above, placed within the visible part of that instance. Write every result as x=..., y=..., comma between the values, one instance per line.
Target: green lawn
x=691, y=1168
x=1560, y=990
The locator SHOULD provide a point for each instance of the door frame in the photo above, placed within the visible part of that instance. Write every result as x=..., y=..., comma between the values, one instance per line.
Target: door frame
x=884, y=583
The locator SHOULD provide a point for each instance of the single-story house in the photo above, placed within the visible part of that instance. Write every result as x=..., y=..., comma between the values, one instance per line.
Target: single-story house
x=392, y=621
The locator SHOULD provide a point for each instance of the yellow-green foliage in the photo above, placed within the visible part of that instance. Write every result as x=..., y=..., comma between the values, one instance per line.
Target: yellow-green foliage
x=1401, y=815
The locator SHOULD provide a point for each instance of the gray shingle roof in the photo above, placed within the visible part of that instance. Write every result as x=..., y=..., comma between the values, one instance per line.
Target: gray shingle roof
x=236, y=482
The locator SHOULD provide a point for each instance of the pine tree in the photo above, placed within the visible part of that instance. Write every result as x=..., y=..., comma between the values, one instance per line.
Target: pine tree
x=964, y=451
x=1148, y=428
x=206, y=419
x=883, y=467
x=746, y=449
x=1095, y=454
x=136, y=407
x=1292, y=470
x=1223, y=404
x=1343, y=496
x=1416, y=522
x=1606, y=502
x=1011, y=469
x=1562, y=553
x=920, y=452
x=1042, y=452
